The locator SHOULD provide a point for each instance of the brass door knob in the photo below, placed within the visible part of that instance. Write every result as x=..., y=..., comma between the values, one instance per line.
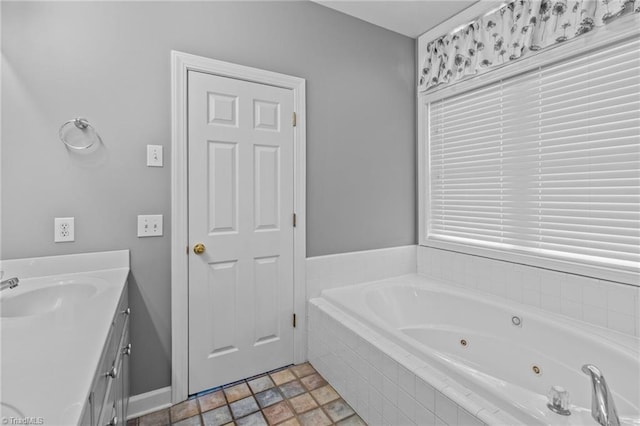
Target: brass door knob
x=199, y=248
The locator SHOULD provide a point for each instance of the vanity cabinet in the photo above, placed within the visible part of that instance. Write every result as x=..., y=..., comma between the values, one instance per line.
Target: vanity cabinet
x=76, y=307
x=109, y=396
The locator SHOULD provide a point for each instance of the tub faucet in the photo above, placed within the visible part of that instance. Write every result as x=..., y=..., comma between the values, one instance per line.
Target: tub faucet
x=9, y=283
x=603, y=410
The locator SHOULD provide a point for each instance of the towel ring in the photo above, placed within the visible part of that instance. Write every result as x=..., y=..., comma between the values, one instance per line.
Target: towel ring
x=78, y=134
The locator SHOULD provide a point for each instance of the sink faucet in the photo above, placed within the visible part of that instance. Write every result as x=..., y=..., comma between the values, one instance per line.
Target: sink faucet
x=603, y=410
x=9, y=283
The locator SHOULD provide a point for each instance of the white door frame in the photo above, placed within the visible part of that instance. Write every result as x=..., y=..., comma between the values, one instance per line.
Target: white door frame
x=181, y=63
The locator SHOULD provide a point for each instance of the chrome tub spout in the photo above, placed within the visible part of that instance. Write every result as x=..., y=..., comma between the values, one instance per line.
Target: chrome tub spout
x=603, y=409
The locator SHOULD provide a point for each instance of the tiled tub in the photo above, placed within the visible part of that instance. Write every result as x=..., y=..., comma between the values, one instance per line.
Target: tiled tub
x=394, y=350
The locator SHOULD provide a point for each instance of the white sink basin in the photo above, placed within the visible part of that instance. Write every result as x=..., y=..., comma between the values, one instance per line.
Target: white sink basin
x=46, y=298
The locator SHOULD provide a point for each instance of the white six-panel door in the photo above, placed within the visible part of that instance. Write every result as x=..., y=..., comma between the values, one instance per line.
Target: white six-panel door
x=241, y=159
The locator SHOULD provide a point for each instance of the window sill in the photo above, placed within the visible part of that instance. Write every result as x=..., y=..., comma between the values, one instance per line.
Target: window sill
x=593, y=271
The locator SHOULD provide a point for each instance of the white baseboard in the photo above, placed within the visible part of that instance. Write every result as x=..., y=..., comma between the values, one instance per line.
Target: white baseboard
x=146, y=403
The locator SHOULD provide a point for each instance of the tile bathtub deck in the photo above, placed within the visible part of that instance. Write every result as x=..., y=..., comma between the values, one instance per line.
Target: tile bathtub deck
x=290, y=396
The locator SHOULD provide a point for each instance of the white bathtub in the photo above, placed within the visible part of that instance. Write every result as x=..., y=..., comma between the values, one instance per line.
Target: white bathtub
x=431, y=319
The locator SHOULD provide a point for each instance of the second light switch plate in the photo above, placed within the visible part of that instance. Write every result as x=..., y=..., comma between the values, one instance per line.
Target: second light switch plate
x=150, y=225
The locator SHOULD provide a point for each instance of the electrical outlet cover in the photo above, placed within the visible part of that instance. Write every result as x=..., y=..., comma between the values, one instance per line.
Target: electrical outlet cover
x=64, y=231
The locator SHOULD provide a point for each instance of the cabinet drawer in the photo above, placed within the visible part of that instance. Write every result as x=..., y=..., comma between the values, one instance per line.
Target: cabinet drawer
x=111, y=405
x=110, y=411
x=102, y=379
x=123, y=400
x=108, y=362
x=118, y=325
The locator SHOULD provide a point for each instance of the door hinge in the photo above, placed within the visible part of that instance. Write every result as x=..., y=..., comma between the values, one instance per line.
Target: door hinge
x=187, y=250
x=294, y=120
x=294, y=320
x=295, y=220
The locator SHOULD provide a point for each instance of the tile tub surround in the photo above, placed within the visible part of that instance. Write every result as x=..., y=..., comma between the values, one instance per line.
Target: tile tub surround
x=384, y=383
x=604, y=303
x=290, y=396
x=339, y=270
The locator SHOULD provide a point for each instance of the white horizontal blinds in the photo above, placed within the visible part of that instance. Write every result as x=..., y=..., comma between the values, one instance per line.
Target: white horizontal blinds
x=590, y=155
x=465, y=163
x=546, y=162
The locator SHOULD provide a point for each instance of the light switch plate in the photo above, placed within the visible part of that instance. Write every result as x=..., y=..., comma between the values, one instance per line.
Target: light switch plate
x=154, y=156
x=150, y=225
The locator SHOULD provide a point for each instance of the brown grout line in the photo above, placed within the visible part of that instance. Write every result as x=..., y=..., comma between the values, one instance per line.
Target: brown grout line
x=327, y=414
x=314, y=398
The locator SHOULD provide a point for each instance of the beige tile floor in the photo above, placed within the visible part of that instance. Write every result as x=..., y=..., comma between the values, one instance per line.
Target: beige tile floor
x=290, y=396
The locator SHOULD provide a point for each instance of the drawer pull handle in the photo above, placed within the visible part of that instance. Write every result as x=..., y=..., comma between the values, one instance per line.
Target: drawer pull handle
x=113, y=422
x=113, y=372
x=127, y=349
x=126, y=311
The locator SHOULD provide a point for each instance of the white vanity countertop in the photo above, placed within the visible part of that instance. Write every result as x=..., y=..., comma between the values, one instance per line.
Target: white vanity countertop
x=48, y=360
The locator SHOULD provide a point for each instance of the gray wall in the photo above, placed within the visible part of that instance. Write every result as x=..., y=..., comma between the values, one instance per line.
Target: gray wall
x=110, y=61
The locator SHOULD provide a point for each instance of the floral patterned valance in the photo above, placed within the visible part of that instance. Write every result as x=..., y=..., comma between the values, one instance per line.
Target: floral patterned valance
x=512, y=31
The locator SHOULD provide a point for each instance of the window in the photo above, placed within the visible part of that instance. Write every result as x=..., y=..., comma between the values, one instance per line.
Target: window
x=545, y=163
